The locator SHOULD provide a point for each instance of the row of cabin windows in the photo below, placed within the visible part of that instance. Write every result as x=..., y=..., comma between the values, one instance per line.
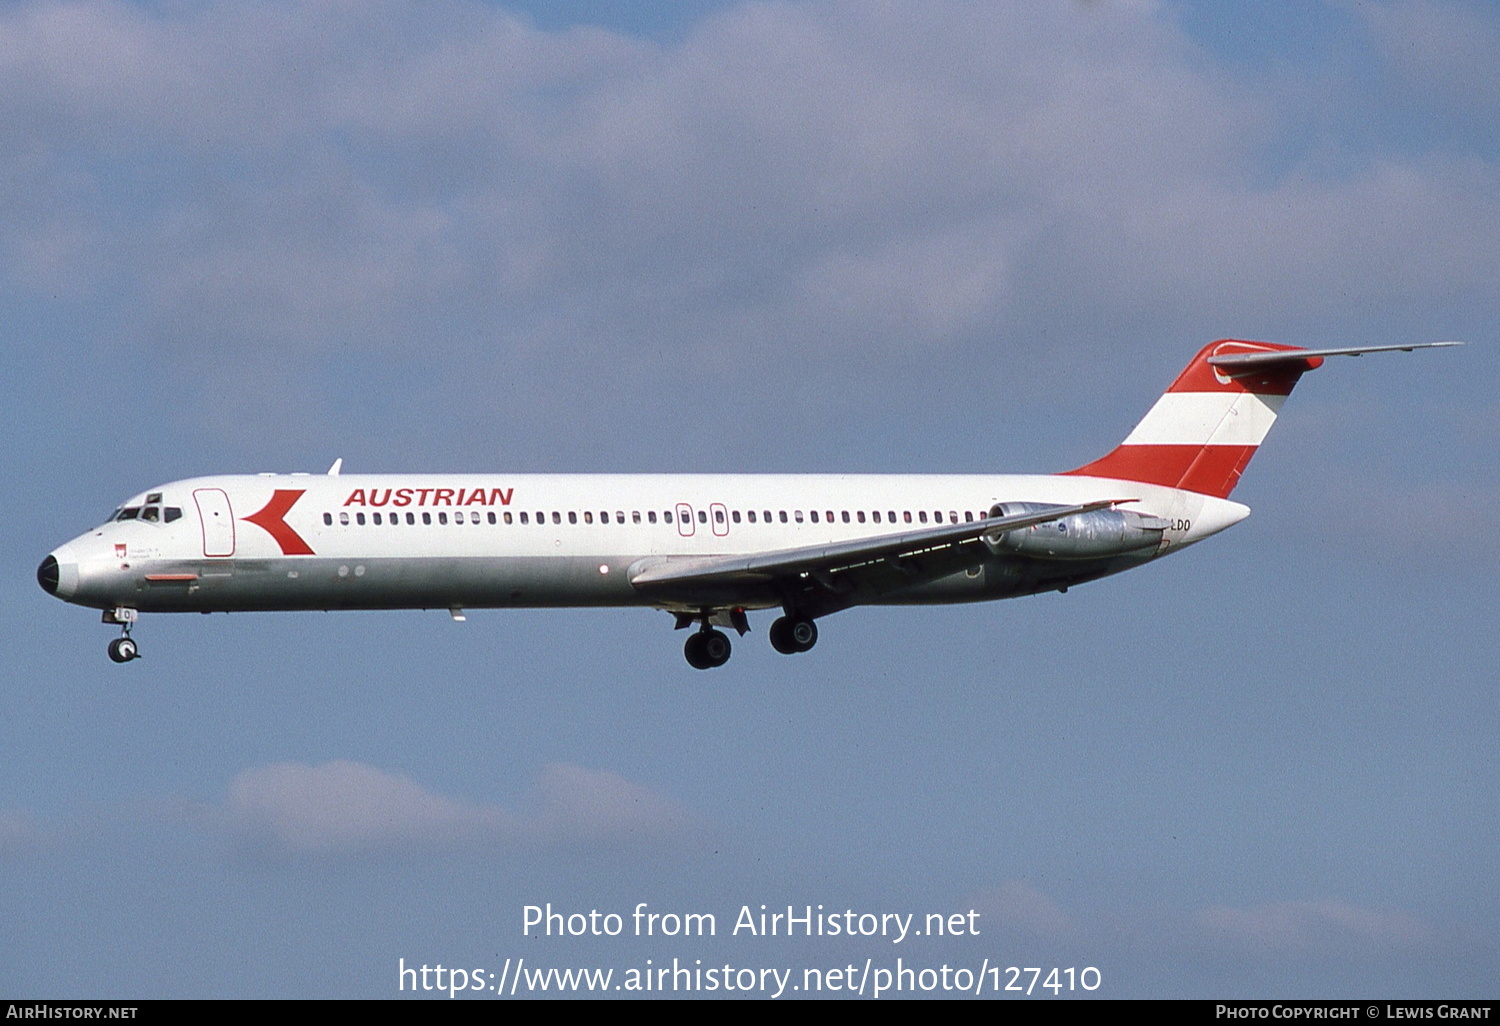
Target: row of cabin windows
x=650, y=517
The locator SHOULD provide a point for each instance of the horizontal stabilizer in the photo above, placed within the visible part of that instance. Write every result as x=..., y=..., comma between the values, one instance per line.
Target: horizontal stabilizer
x=1309, y=358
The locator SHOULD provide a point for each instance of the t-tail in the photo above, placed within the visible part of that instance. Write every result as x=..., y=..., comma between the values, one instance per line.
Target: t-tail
x=1203, y=431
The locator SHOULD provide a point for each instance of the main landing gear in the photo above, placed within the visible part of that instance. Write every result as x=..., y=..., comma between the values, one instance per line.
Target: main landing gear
x=123, y=649
x=707, y=649
x=793, y=634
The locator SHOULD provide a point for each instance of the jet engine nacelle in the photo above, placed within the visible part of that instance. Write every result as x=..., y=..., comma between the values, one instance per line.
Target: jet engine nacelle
x=1097, y=535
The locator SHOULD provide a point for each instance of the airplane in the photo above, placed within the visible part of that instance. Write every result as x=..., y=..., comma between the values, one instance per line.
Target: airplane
x=708, y=548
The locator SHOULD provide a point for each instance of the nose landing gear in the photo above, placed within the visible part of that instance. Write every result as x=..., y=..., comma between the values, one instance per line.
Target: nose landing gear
x=123, y=649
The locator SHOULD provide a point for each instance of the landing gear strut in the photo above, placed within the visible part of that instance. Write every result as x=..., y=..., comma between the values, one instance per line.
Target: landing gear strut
x=793, y=634
x=707, y=649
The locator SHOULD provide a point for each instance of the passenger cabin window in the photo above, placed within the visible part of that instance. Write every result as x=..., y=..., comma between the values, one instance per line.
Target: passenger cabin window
x=859, y=515
x=751, y=515
x=783, y=516
x=426, y=518
x=702, y=517
x=411, y=518
x=375, y=519
x=442, y=518
x=814, y=515
x=523, y=518
x=556, y=517
x=797, y=515
x=666, y=516
x=735, y=516
x=635, y=516
x=359, y=518
x=588, y=517
x=328, y=519
x=651, y=516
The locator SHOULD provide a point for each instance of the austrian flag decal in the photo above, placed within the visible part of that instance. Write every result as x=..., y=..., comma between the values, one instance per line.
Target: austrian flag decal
x=269, y=519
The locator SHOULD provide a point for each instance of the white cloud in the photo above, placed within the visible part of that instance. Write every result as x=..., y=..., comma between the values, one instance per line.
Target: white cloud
x=1313, y=925
x=267, y=192
x=350, y=808
x=1441, y=49
x=1016, y=907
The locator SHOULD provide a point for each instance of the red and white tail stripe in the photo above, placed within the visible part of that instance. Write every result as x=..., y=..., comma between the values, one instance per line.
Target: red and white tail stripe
x=1202, y=432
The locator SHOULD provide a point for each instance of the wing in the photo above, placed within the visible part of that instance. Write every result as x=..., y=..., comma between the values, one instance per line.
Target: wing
x=830, y=577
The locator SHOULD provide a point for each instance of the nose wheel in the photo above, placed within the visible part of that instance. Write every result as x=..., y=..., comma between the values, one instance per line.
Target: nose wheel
x=123, y=649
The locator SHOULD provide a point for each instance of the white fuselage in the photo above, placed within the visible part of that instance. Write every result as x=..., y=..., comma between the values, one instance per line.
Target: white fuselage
x=501, y=540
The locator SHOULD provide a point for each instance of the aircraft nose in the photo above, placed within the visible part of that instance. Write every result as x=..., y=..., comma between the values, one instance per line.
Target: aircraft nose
x=47, y=575
x=57, y=577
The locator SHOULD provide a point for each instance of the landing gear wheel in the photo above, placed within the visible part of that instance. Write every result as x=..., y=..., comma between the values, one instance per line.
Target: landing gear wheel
x=707, y=649
x=122, y=650
x=793, y=634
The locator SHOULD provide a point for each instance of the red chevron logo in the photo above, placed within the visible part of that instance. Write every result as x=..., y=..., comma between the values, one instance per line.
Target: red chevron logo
x=269, y=519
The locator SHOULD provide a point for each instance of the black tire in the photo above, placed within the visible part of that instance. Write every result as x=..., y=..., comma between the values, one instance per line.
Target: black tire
x=697, y=658
x=781, y=636
x=122, y=650
x=715, y=647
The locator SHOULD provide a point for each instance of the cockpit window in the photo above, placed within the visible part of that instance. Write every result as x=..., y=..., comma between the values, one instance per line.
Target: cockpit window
x=151, y=513
x=154, y=497
x=171, y=513
x=129, y=513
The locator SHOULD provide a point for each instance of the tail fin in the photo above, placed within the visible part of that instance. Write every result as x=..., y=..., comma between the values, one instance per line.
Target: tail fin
x=1201, y=434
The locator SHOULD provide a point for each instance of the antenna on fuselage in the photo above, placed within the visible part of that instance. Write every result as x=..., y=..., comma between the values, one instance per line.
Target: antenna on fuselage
x=338, y=465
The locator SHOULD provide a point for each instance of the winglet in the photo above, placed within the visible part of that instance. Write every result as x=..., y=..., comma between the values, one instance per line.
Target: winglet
x=338, y=465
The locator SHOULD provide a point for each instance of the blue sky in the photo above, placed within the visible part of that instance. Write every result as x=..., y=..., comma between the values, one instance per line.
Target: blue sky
x=790, y=237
